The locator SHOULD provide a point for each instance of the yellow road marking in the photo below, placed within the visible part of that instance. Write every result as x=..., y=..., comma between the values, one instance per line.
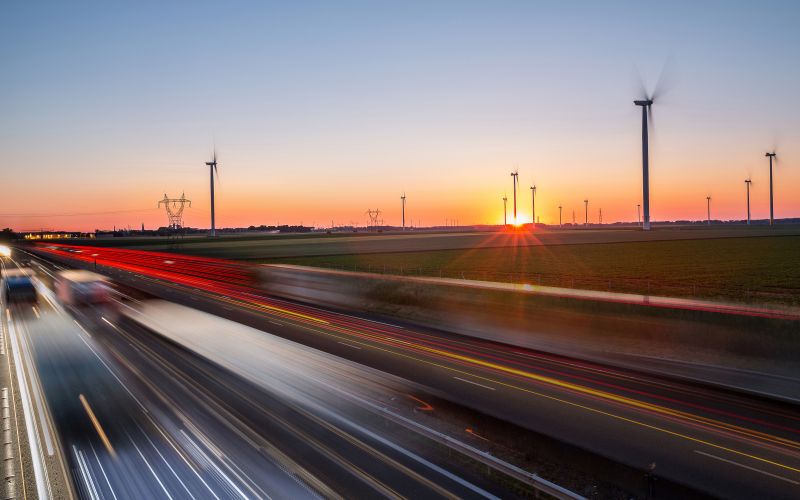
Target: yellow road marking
x=97, y=426
x=577, y=405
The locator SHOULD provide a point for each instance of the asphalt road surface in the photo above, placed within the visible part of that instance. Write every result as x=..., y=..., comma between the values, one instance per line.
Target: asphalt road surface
x=139, y=416
x=720, y=443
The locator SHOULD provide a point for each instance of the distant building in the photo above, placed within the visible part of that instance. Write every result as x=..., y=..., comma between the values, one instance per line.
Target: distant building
x=55, y=235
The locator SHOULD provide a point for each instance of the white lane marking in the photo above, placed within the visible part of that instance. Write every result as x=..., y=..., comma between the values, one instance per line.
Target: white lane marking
x=39, y=472
x=87, y=477
x=40, y=407
x=275, y=322
x=82, y=328
x=474, y=383
x=210, y=462
x=709, y=455
x=165, y=460
x=373, y=321
x=144, y=409
x=97, y=458
x=346, y=422
x=351, y=346
x=149, y=467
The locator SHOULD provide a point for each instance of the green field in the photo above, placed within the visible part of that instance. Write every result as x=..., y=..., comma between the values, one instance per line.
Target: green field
x=757, y=269
x=755, y=263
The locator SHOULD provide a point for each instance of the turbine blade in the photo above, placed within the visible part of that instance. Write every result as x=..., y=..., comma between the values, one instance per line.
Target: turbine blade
x=666, y=80
x=640, y=88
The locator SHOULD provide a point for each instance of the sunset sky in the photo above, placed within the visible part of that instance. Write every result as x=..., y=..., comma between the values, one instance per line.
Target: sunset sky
x=321, y=110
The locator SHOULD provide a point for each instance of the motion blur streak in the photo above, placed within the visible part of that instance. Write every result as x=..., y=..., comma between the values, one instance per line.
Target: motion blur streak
x=568, y=399
x=157, y=404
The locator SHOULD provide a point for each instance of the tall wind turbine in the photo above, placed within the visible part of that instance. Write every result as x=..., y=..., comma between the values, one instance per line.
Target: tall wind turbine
x=515, y=181
x=747, y=183
x=646, y=103
x=708, y=200
x=559, y=216
x=638, y=214
x=403, y=199
x=771, y=213
x=505, y=210
x=212, y=169
x=533, y=200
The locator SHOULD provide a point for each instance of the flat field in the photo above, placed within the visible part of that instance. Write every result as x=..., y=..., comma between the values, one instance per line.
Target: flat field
x=754, y=264
x=750, y=269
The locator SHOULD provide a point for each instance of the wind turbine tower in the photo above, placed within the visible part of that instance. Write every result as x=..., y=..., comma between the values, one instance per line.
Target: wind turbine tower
x=560, y=224
x=645, y=104
x=505, y=210
x=771, y=213
x=708, y=200
x=403, y=199
x=638, y=214
x=747, y=183
x=212, y=169
x=533, y=208
x=515, y=181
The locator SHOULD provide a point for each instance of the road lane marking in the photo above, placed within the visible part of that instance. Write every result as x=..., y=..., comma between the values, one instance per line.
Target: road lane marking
x=97, y=426
x=87, y=476
x=571, y=403
x=474, y=383
x=100, y=464
x=165, y=460
x=35, y=389
x=746, y=467
x=37, y=457
x=350, y=346
x=149, y=467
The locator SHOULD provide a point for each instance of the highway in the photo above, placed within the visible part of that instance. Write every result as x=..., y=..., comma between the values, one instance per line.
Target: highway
x=140, y=416
x=716, y=442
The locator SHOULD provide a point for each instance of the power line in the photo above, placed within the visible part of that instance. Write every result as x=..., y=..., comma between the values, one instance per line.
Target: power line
x=80, y=214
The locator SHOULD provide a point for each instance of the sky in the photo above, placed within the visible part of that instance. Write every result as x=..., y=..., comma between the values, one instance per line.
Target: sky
x=322, y=110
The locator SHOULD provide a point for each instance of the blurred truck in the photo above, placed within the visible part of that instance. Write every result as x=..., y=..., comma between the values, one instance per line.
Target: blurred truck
x=82, y=288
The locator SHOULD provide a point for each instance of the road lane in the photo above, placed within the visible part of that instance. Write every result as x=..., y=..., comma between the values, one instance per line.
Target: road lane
x=140, y=417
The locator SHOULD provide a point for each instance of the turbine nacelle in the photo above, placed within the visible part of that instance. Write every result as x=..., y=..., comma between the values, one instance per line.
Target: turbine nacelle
x=646, y=102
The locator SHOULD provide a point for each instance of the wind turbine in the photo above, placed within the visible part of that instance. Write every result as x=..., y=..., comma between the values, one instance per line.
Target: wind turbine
x=559, y=216
x=505, y=210
x=403, y=199
x=771, y=213
x=708, y=200
x=646, y=104
x=212, y=169
x=747, y=183
x=638, y=214
x=515, y=181
x=533, y=200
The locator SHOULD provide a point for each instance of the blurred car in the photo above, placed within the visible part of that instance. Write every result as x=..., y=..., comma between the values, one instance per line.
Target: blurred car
x=20, y=289
x=81, y=288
